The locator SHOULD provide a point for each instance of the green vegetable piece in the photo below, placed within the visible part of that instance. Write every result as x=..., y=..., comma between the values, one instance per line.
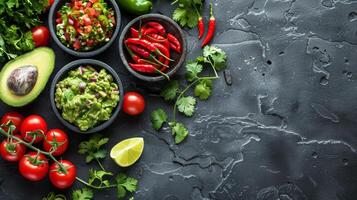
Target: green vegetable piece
x=125, y=184
x=215, y=56
x=170, y=90
x=53, y=196
x=93, y=148
x=158, y=118
x=99, y=177
x=193, y=69
x=186, y=105
x=42, y=60
x=186, y=13
x=179, y=131
x=82, y=194
x=136, y=7
x=203, y=89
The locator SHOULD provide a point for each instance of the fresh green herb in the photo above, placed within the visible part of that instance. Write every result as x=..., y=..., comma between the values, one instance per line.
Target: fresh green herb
x=82, y=194
x=187, y=12
x=179, y=131
x=170, y=90
x=186, y=105
x=214, y=57
x=203, y=89
x=16, y=20
x=125, y=184
x=158, y=118
x=53, y=196
x=93, y=148
x=101, y=179
x=192, y=70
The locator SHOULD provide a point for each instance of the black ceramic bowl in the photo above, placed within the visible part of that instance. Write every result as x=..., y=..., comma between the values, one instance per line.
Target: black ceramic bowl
x=63, y=74
x=171, y=27
x=85, y=54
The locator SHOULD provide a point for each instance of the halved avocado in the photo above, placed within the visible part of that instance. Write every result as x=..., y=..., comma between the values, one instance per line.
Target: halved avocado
x=24, y=78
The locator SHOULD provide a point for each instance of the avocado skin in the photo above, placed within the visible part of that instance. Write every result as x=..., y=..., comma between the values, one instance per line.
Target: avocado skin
x=44, y=59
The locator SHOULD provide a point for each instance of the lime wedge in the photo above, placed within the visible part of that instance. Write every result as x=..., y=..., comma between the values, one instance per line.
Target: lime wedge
x=128, y=151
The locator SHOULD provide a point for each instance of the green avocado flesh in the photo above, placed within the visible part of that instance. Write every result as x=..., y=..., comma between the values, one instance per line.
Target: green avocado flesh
x=24, y=78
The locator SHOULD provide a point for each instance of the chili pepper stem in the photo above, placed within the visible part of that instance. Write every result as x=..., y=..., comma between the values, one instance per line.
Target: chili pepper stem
x=161, y=54
x=163, y=74
x=157, y=61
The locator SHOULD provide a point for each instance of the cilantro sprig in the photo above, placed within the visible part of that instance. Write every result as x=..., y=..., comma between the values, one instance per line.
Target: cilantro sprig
x=213, y=57
x=101, y=179
x=186, y=14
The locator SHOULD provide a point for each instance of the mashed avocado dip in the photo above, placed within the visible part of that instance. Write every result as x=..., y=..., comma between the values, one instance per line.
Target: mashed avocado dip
x=87, y=97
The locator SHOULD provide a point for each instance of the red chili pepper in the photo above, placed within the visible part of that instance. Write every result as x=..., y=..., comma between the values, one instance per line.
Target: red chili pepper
x=175, y=41
x=164, y=50
x=134, y=32
x=174, y=47
x=150, y=46
x=200, y=25
x=211, y=28
x=156, y=38
x=158, y=27
x=142, y=52
x=149, y=31
x=145, y=68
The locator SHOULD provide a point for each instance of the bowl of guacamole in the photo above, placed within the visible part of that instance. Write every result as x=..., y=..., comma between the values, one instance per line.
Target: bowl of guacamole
x=86, y=95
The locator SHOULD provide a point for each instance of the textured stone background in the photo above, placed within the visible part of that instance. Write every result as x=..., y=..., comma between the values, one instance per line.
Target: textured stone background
x=285, y=129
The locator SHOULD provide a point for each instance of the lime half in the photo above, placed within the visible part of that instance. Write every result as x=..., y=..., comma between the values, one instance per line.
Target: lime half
x=128, y=151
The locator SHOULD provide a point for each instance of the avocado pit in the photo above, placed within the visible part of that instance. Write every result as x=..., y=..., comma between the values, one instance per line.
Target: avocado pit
x=22, y=80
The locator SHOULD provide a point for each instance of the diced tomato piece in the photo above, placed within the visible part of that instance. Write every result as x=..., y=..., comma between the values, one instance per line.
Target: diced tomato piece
x=76, y=45
x=78, y=5
x=89, y=5
x=90, y=11
x=79, y=31
x=58, y=14
x=58, y=20
x=86, y=20
x=87, y=29
x=97, y=13
x=90, y=43
x=75, y=24
x=93, y=1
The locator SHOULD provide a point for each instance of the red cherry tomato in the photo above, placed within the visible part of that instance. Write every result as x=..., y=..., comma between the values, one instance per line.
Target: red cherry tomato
x=55, y=139
x=33, y=167
x=50, y=3
x=33, y=125
x=11, y=150
x=15, y=118
x=134, y=103
x=40, y=36
x=61, y=179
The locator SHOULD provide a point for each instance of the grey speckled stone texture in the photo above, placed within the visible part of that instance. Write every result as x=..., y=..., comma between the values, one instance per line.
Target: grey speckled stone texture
x=286, y=129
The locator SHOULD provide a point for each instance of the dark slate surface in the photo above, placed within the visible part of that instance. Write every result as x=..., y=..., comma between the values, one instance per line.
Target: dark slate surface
x=285, y=129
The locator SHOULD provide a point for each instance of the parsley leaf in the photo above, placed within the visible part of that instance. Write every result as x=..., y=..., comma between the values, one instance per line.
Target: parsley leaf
x=216, y=56
x=158, y=117
x=82, y=194
x=186, y=105
x=203, y=89
x=170, y=90
x=193, y=69
x=179, y=131
x=93, y=148
x=125, y=184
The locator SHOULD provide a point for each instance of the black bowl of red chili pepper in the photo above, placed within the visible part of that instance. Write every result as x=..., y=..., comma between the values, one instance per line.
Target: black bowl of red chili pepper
x=152, y=47
x=84, y=28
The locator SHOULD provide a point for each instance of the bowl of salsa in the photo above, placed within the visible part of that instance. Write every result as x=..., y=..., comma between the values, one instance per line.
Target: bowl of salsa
x=84, y=28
